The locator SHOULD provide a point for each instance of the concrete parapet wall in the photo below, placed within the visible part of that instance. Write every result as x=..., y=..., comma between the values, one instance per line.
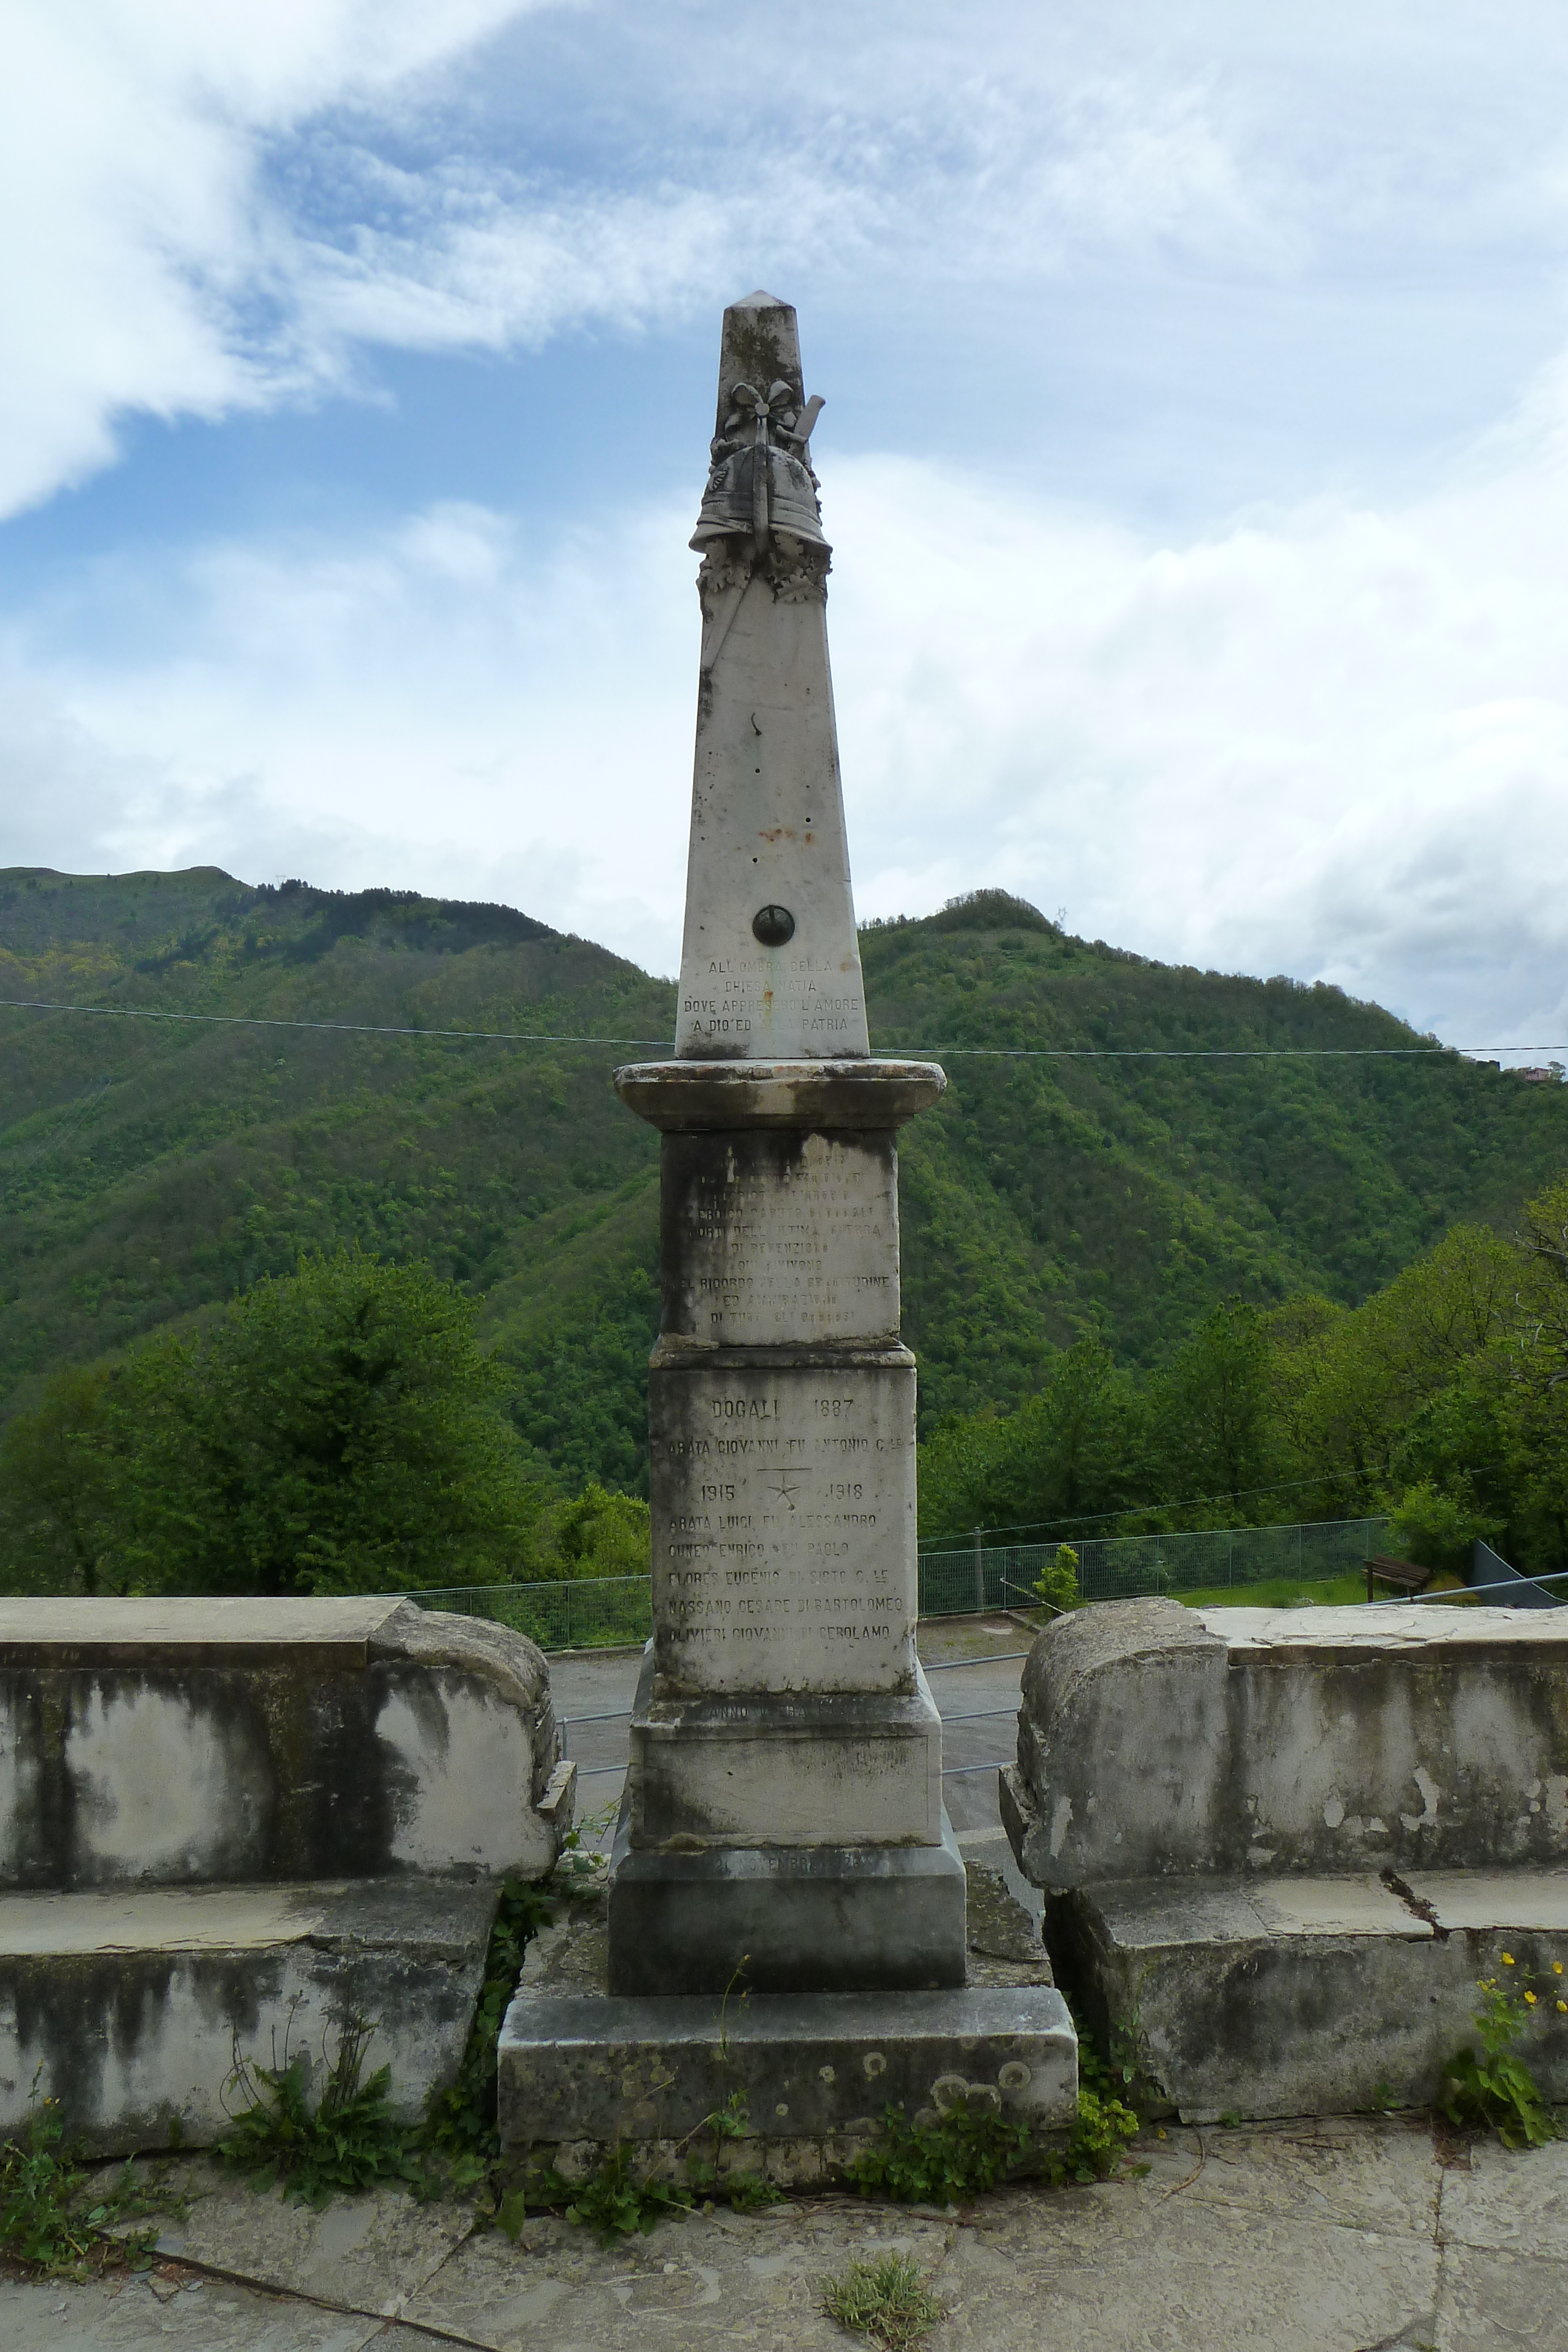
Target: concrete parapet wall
x=132, y=2008
x=1301, y=1995
x=200, y=1741
x=1158, y=1741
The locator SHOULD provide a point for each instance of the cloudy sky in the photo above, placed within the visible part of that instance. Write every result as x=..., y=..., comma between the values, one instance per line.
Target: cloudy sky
x=1196, y=455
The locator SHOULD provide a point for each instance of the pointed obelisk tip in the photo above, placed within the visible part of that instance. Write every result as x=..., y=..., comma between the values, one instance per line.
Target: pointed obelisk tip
x=760, y=346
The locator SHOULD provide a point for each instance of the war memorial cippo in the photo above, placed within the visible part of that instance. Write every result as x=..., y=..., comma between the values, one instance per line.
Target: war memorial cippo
x=785, y=1798
x=783, y=1832
x=1277, y=1847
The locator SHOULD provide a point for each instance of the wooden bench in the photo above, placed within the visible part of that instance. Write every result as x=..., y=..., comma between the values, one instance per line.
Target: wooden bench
x=1404, y=1573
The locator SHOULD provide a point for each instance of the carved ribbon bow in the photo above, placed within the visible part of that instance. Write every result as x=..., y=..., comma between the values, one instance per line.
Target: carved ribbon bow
x=793, y=427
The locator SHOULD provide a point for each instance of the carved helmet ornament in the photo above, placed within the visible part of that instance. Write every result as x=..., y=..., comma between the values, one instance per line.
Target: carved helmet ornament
x=759, y=480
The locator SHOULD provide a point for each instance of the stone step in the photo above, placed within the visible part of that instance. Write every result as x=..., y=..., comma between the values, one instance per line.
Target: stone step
x=1265, y=1996
x=582, y=2071
x=810, y=1769
x=130, y=2007
x=805, y=2068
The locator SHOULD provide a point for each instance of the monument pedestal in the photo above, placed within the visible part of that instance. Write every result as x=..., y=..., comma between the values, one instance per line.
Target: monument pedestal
x=783, y=1825
x=823, y=1918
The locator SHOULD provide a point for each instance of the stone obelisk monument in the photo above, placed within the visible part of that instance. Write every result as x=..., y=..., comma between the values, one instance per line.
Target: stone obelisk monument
x=783, y=1805
x=782, y=1830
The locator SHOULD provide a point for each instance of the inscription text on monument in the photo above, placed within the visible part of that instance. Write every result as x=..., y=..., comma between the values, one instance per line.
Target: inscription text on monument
x=784, y=1507
x=781, y=1237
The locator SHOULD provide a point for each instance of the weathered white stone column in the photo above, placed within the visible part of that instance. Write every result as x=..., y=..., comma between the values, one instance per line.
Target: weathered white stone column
x=783, y=1803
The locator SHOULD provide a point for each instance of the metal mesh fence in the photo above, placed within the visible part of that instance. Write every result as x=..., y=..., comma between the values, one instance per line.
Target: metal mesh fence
x=594, y=1613
x=1128, y=1568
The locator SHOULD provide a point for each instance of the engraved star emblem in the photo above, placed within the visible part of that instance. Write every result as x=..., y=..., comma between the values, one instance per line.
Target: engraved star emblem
x=784, y=1488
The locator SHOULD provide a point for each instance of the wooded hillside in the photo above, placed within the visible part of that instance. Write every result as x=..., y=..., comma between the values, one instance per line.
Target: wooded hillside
x=150, y=1169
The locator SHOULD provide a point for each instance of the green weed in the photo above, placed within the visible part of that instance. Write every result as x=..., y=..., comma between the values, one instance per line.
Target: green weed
x=349, y=2139
x=460, y=2127
x=44, y=2219
x=963, y=2154
x=936, y=2163
x=1497, y=2089
x=888, y=2301
x=1100, y=2135
x=615, y=2204
x=612, y=2202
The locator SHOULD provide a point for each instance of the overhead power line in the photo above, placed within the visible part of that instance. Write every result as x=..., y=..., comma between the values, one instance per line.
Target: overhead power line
x=347, y=1028
x=662, y=1044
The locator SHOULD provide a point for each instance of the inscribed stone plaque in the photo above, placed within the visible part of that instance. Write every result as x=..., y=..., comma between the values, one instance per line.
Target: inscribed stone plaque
x=772, y=1237
x=784, y=1525
x=762, y=1005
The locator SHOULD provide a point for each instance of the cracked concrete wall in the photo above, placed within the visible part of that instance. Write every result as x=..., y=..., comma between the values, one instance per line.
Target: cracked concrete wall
x=270, y=1747
x=1156, y=1740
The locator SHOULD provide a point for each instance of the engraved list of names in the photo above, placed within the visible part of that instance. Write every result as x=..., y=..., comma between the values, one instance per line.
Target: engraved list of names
x=783, y=1511
x=790, y=1238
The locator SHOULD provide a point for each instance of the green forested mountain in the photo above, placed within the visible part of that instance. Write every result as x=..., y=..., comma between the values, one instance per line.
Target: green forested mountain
x=149, y=1169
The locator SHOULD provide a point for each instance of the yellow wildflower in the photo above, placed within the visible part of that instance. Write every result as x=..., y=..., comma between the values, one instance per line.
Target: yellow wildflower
x=1508, y=1959
x=1556, y=1968
x=1563, y=2005
x=1529, y=1998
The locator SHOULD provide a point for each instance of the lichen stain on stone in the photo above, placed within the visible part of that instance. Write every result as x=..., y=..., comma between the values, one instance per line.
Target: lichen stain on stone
x=756, y=351
x=1430, y=1797
x=169, y=1783
x=1556, y=1805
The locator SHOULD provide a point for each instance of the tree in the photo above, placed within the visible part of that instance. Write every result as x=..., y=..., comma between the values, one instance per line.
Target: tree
x=1537, y=1402
x=600, y=1534
x=1357, y=1389
x=1070, y=1455
x=332, y=1430
x=54, y=1497
x=1214, y=1415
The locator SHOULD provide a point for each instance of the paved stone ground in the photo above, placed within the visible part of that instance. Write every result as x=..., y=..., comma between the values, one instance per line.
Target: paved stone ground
x=1337, y=2236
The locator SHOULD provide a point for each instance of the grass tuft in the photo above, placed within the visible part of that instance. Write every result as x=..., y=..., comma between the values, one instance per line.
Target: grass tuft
x=888, y=2301
x=45, y=2220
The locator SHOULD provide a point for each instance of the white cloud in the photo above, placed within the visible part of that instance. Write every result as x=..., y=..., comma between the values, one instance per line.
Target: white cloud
x=1331, y=738
x=225, y=202
x=147, y=265
x=1333, y=743
x=438, y=705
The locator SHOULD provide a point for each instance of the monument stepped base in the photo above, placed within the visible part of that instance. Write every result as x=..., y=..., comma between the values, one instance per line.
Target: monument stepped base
x=128, y=2006
x=582, y=2071
x=807, y=1918
x=1267, y=1997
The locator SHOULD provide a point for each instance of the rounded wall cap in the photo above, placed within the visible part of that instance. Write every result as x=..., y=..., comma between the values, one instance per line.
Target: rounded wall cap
x=706, y=1098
